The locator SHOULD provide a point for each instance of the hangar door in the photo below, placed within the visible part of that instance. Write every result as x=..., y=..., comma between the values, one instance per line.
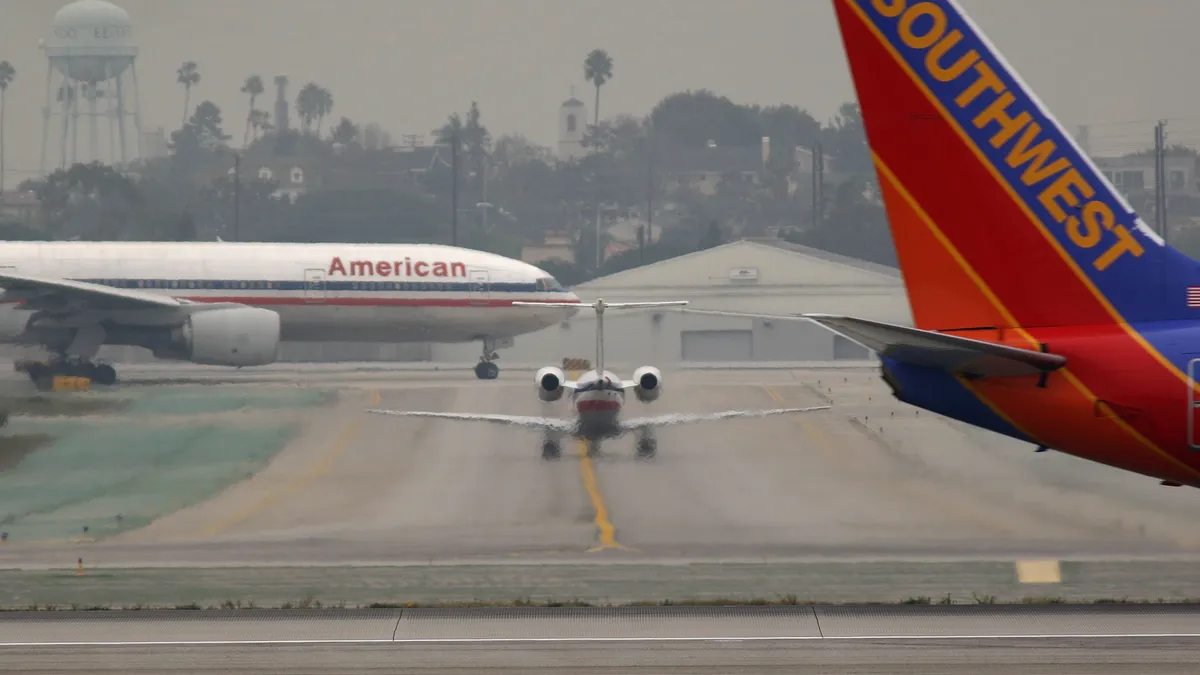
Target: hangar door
x=717, y=345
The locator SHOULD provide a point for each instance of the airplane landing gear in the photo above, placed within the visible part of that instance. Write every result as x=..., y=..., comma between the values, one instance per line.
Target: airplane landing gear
x=486, y=369
x=647, y=446
x=551, y=450
x=43, y=372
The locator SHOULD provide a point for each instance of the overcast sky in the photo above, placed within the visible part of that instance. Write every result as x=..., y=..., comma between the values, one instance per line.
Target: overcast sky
x=406, y=64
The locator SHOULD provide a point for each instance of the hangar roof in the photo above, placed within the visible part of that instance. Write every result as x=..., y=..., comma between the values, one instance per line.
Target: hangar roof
x=753, y=263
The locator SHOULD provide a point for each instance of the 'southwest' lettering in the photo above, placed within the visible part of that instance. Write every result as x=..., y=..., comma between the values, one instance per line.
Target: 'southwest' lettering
x=1063, y=191
x=396, y=268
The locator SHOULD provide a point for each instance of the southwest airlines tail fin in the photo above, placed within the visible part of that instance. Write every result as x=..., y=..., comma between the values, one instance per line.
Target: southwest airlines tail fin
x=600, y=305
x=999, y=219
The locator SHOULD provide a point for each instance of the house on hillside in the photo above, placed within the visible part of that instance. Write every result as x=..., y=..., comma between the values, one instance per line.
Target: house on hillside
x=702, y=169
x=19, y=207
x=1134, y=174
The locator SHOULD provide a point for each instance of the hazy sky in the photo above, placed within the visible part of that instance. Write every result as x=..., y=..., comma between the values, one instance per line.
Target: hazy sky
x=406, y=64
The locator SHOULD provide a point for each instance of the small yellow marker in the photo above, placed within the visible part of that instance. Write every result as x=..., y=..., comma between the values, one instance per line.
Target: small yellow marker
x=1039, y=572
x=80, y=572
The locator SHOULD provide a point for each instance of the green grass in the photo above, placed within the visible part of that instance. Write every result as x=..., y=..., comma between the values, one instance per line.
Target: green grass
x=113, y=478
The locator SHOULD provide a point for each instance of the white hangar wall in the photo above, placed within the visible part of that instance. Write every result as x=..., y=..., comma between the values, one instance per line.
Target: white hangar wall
x=754, y=276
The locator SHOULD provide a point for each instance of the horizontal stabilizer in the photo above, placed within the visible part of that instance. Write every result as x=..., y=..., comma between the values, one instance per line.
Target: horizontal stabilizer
x=951, y=353
x=600, y=303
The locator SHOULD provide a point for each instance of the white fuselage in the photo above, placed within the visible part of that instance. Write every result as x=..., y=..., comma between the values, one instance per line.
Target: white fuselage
x=598, y=401
x=322, y=292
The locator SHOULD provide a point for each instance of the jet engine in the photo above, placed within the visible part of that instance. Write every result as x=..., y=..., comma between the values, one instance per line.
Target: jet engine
x=549, y=382
x=647, y=383
x=234, y=336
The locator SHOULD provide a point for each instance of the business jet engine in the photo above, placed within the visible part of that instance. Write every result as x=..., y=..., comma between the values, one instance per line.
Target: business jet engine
x=229, y=336
x=647, y=383
x=549, y=382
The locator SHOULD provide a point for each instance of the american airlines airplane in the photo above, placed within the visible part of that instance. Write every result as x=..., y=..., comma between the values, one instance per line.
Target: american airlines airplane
x=598, y=398
x=231, y=304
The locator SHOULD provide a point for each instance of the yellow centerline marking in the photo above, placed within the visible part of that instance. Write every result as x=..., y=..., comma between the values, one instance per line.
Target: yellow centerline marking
x=587, y=472
x=318, y=469
x=603, y=524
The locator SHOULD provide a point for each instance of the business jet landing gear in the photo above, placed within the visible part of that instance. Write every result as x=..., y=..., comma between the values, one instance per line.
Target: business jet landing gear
x=43, y=372
x=647, y=445
x=486, y=369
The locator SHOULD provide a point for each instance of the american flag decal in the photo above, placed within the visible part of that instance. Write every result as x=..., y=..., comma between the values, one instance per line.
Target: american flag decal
x=1193, y=296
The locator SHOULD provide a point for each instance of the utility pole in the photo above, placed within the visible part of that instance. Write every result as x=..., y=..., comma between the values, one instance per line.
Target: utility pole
x=454, y=141
x=818, y=182
x=1160, y=178
x=597, y=236
x=649, y=235
x=237, y=195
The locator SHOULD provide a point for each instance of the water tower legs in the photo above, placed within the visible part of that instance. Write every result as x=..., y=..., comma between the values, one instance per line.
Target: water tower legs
x=46, y=116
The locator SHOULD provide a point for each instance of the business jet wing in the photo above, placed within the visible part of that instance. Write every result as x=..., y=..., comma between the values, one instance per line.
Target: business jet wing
x=674, y=419
x=60, y=294
x=528, y=422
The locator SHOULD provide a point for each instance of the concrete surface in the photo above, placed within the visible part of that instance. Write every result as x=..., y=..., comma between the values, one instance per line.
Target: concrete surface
x=869, y=480
x=993, y=640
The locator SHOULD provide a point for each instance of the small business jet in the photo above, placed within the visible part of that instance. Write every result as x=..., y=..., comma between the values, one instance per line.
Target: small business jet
x=598, y=399
x=231, y=304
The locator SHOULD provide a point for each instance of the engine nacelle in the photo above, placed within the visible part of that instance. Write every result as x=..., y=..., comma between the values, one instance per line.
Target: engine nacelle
x=234, y=336
x=549, y=382
x=647, y=383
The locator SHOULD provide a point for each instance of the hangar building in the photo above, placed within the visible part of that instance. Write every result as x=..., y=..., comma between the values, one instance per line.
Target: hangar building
x=759, y=276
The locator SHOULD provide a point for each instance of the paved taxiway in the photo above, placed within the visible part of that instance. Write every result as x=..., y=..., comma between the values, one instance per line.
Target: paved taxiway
x=861, y=640
x=869, y=479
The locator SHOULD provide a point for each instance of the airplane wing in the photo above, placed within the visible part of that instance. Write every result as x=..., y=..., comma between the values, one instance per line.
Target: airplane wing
x=674, y=419
x=951, y=353
x=55, y=293
x=528, y=422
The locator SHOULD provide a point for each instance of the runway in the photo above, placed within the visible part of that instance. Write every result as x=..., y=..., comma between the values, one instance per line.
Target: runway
x=861, y=640
x=868, y=501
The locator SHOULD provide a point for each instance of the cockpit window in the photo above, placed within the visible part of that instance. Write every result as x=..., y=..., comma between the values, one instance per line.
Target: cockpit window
x=548, y=284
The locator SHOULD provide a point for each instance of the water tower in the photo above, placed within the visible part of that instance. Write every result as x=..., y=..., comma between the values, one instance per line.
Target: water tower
x=91, y=74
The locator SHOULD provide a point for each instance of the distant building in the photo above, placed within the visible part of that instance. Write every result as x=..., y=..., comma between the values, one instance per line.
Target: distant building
x=572, y=123
x=373, y=169
x=20, y=207
x=554, y=245
x=1134, y=174
x=702, y=169
x=760, y=276
x=154, y=144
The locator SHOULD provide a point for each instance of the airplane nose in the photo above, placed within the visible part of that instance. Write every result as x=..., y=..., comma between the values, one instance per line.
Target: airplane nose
x=571, y=297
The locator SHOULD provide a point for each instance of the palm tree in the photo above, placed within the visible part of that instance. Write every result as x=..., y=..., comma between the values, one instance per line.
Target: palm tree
x=254, y=87
x=308, y=104
x=324, y=106
x=7, y=73
x=187, y=75
x=598, y=69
